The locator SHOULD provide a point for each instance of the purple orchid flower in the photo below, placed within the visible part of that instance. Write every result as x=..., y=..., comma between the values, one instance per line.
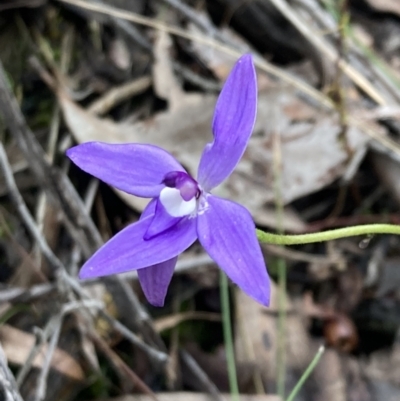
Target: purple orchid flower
x=182, y=209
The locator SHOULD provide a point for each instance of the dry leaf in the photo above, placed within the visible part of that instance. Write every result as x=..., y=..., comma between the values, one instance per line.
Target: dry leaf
x=17, y=345
x=386, y=6
x=331, y=383
x=385, y=365
x=313, y=154
x=257, y=341
x=257, y=336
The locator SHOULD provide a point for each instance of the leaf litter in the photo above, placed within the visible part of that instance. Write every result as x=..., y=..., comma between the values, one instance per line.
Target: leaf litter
x=312, y=151
x=124, y=83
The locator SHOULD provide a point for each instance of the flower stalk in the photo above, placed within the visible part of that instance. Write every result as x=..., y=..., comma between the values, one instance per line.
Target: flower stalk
x=228, y=338
x=345, y=232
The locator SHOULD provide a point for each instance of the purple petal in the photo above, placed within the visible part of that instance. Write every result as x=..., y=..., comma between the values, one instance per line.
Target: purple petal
x=233, y=123
x=128, y=251
x=149, y=210
x=161, y=221
x=137, y=169
x=155, y=281
x=227, y=232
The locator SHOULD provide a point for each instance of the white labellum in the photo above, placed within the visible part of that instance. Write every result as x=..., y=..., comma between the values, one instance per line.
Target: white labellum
x=174, y=204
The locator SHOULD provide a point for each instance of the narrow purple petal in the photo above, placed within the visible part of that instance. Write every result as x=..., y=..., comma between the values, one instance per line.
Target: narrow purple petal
x=161, y=221
x=227, y=232
x=233, y=123
x=155, y=281
x=128, y=251
x=137, y=169
x=149, y=210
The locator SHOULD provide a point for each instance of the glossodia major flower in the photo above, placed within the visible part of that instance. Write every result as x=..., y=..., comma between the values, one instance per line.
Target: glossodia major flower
x=182, y=208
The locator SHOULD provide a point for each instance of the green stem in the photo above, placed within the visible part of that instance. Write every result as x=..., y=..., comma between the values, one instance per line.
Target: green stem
x=281, y=351
x=298, y=239
x=230, y=353
x=306, y=374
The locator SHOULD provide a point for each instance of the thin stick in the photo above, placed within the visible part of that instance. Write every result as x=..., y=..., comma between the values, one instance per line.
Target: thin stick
x=7, y=381
x=115, y=359
x=57, y=184
x=24, y=212
x=54, y=261
x=42, y=381
x=42, y=336
x=191, y=364
x=157, y=356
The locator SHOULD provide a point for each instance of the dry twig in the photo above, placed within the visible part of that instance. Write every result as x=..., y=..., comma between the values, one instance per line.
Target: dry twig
x=7, y=381
x=24, y=212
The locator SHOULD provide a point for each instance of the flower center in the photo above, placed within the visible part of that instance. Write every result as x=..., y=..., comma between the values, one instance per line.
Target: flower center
x=179, y=197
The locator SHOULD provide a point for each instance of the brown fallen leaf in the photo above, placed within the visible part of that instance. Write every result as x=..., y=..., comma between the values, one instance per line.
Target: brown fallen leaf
x=313, y=154
x=257, y=340
x=257, y=334
x=17, y=345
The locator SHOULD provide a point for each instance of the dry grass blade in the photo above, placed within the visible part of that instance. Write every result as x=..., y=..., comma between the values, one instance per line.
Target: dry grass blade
x=118, y=94
x=327, y=50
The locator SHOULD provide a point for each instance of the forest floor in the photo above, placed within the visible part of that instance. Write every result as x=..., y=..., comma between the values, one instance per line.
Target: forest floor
x=325, y=154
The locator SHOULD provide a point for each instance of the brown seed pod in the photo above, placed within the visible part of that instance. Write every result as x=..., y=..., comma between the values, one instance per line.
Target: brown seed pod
x=340, y=333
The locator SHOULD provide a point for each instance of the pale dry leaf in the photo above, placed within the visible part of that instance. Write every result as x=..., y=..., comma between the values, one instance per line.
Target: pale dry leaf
x=257, y=336
x=257, y=340
x=220, y=63
x=17, y=345
x=166, y=84
x=313, y=153
x=330, y=384
x=384, y=365
x=119, y=54
x=385, y=6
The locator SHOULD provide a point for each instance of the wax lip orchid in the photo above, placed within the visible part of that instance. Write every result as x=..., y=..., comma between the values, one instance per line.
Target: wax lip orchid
x=182, y=209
